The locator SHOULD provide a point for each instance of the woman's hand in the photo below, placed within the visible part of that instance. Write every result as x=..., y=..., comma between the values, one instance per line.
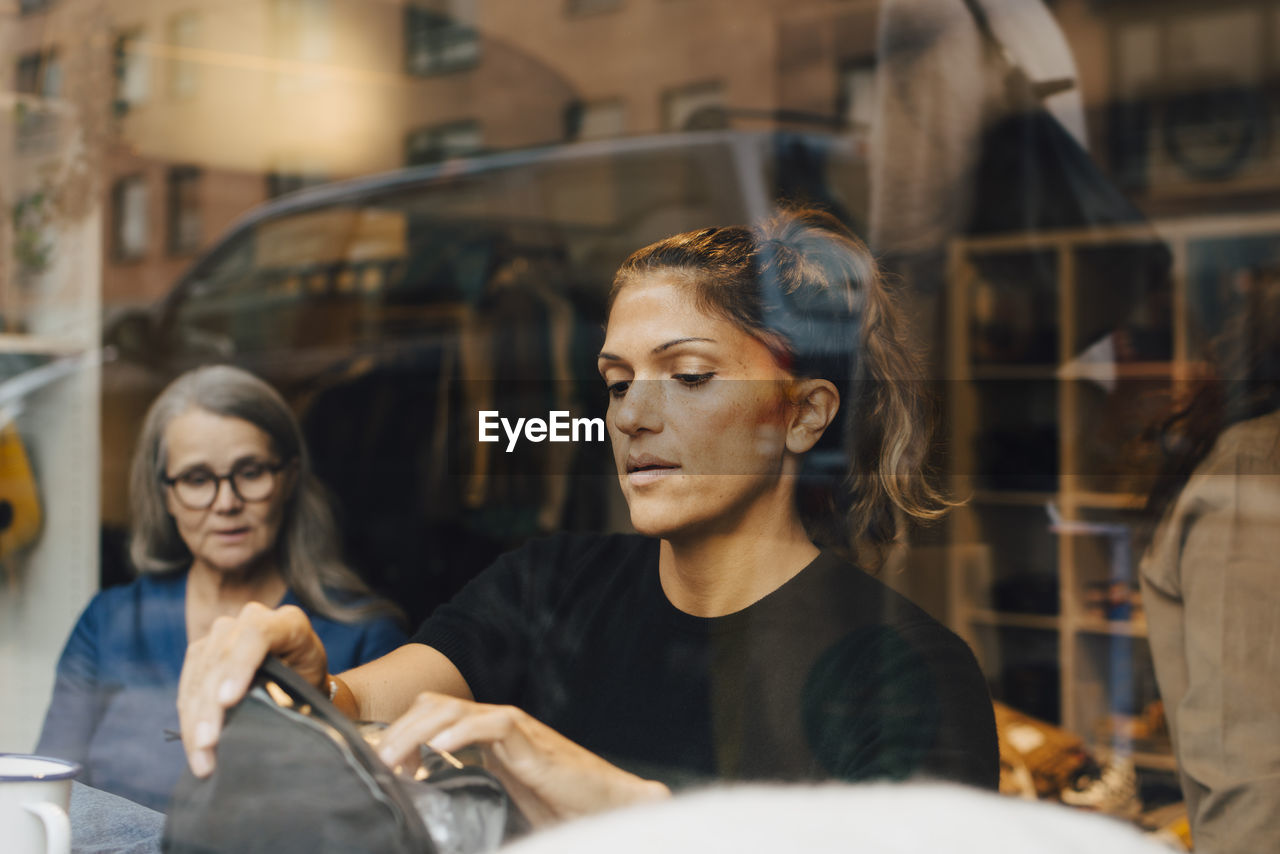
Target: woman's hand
x=548, y=776
x=220, y=666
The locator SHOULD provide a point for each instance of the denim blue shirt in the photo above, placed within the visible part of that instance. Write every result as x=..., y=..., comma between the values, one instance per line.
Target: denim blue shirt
x=114, y=707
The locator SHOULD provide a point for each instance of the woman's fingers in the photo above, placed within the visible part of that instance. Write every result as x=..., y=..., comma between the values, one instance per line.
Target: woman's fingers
x=219, y=668
x=429, y=715
x=551, y=777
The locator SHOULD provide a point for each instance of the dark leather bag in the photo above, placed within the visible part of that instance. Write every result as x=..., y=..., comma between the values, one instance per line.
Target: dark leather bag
x=295, y=775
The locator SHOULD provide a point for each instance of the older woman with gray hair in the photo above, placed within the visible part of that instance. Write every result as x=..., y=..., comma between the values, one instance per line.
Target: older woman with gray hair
x=225, y=512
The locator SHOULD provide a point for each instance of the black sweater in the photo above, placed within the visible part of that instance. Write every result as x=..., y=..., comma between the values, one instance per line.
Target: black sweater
x=831, y=676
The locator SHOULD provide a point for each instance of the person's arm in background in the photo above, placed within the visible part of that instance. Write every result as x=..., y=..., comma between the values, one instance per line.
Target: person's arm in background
x=1228, y=718
x=76, y=705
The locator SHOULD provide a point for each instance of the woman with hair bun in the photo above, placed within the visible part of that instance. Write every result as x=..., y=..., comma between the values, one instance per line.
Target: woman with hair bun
x=732, y=637
x=225, y=512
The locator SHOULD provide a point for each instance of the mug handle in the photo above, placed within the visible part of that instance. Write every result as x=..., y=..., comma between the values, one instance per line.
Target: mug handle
x=57, y=829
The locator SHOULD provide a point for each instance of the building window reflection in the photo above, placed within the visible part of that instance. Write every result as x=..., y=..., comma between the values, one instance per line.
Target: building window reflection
x=183, y=214
x=132, y=72
x=303, y=33
x=290, y=179
x=595, y=120
x=129, y=217
x=441, y=142
x=857, y=105
x=585, y=7
x=440, y=37
x=39, y=73
x=184, y=38
x=1191, y=102
x=695, y=107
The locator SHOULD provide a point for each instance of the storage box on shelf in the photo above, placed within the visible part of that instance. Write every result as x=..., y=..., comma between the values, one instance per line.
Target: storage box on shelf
x=1065, y=350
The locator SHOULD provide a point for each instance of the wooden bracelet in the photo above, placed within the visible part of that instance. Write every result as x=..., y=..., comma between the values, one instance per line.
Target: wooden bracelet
x=340, y=695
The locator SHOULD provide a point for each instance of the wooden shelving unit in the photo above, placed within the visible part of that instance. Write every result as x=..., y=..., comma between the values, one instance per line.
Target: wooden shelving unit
x=1035, y=544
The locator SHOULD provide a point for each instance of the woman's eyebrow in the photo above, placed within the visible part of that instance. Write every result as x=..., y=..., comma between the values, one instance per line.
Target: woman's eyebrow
x=678, y=341
x=252, y=457
x=249, y=458
x=609, y=357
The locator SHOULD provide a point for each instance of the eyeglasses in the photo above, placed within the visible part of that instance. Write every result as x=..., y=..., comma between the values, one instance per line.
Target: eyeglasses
x=197, y=489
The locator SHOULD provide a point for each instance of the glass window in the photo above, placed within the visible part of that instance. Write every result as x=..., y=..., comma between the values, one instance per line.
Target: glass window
x=184, y=68
x=39, y=73
x=596, y=120
x=694, y=107
x=456, y=139
x=130, y=217
x=583, y=7
x=184, y=209
x=1225, y=42
x=27, y=77
x=279, y=182
x=133, y=71
x=436, y=240
x=1137, y=58
x=487, y=165
x=440, y=37
x=303, y=38
x=858, y=98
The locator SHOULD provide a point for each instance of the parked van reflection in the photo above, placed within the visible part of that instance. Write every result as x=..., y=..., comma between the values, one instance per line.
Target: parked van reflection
x=391, y=310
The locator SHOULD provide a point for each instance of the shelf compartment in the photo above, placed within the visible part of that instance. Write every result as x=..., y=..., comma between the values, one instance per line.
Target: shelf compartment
x=982, y=372
x=1012, y=309
x=1018, y=620
x=1016, y=435
x=1116, y=699
x=1014, y=497
x=1114, y=431
x=1124, y=291
x=1023, y=667
x=1135, y=628
x=1109, y=500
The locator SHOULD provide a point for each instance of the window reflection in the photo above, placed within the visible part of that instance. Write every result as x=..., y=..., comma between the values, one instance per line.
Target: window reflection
x=398, y=211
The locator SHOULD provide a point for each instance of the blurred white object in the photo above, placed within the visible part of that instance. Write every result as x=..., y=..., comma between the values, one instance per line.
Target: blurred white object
x=875, y=818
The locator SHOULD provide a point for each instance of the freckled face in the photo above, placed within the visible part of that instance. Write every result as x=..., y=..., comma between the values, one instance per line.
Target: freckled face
x=697, y=414
x=231, y=535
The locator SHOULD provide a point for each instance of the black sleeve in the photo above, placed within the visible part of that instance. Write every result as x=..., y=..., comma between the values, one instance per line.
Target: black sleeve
x=893, y=702
x=488, y=629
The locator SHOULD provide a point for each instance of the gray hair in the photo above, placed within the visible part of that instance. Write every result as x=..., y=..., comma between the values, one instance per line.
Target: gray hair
x=307, y=548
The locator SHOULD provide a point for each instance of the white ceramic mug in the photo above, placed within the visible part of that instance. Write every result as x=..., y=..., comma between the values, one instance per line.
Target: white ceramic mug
x=34, y=794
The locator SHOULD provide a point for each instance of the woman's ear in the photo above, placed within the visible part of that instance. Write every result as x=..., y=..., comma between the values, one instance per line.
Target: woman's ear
x=814, y=406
